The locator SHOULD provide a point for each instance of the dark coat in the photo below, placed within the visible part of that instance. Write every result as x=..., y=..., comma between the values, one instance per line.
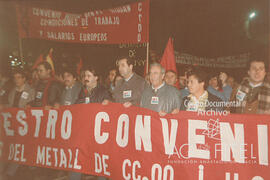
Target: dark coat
x=24, y=100
x=47, y=93
x=97, y=95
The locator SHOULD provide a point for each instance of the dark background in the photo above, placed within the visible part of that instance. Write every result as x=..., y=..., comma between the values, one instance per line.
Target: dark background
x=204, y=28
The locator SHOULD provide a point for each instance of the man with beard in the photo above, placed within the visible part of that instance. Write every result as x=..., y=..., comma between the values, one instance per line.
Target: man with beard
x=47, y=94
x=48, y=90
x=93, y=91
x=74, y=93
x=130, y=88
x=70, y=93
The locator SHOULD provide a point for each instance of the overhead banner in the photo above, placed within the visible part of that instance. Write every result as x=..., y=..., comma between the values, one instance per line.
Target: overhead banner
x=238, y=61
x=136, y=143
x=125, y=24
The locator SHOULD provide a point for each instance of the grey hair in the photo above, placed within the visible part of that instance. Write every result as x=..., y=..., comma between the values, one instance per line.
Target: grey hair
x=160, y=66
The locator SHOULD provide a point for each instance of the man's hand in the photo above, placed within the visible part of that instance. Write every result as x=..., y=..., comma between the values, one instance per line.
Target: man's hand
x=27, y=106
x=127, y=104
x=162, y=113
x=175, y=111
x=56, y=105
x=47, y=107
x=105, y=102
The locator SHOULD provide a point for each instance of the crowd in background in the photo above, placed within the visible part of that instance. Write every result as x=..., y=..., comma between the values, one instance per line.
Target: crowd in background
x=44, y=87
x=160, y=90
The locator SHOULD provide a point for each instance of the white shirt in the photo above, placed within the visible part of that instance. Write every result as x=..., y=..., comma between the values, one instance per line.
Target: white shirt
x=254, y=86
x=129, y=77
x=197, y=104
x=158, y=87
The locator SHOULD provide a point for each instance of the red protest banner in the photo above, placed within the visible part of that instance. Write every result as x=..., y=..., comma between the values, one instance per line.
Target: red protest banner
x=135, y=143
x=125, y=24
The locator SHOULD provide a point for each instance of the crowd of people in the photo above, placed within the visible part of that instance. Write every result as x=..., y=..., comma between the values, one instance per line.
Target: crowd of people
x=160, y=90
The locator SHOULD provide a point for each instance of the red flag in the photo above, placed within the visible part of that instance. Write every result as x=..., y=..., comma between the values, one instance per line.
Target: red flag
x=79, y=66
x=168, y=60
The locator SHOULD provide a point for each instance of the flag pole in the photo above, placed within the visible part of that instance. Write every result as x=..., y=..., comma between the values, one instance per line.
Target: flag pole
x=20, y=49
x=147, y=57
x=19, y=33
x=147, y=45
